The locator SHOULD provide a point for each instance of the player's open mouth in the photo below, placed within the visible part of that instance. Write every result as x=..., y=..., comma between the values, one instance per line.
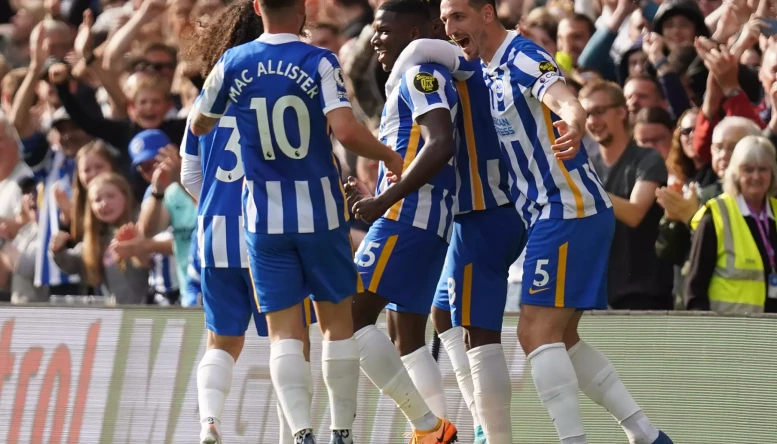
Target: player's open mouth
x=462, y=42
x=381, y=54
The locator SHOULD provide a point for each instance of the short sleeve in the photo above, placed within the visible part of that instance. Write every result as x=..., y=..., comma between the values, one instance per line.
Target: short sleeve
x=425, y=88
x=534, y=69
x=651, y=168
x=333, y=93
x=214, y=97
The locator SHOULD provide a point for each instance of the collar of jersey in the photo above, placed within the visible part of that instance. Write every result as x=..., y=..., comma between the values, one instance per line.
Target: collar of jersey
x=277, y=39
x=495, y=61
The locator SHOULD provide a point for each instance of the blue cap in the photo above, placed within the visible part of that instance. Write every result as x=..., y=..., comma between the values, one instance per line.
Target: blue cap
x=146, y=145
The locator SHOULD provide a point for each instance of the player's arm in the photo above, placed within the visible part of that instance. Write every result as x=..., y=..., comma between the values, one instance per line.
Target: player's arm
x=212, y=102
x=437, y=132
x=534, y=69
x=422, y=51
x=191, y=167
x=354, y=136
x=651, y=174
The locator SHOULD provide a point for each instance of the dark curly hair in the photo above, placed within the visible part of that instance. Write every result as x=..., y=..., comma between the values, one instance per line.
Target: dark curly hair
x=235, y=24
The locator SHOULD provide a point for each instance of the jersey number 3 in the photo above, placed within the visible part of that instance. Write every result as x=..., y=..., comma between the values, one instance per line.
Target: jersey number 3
x=233, y=146
x=278, y=132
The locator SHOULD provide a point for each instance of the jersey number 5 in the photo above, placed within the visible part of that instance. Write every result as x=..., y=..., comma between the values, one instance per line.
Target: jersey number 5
x=233, y=146
x=278, y=132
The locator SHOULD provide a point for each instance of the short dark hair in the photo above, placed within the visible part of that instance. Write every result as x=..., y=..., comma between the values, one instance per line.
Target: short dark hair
x=655, y=115
x=278, y=4
x=418, y=8
x=647, y=78
x=577, y=17
x=479, y=4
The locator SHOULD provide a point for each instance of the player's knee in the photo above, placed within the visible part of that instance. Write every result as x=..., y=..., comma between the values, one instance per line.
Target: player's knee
x=481, y=336
x=408, y=332
x=441, y=319
x=230, y=344
x=366, y=308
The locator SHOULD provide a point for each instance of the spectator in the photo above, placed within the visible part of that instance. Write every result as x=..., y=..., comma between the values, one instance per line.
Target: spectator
x=166, y=203
x=326, y=35
x=732, y=258
x=542, y=28
x=642, y=92
x=653, y=129
x=19, y=251
x=637, y=279
x=682, y=163
x=109, y=218
x=572, y=35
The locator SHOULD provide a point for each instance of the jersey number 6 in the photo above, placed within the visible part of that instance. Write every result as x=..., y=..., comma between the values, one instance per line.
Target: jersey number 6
x=278, y=132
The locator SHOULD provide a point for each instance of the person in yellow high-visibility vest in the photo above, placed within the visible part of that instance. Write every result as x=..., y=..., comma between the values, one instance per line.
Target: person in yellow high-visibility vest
x=733, y=268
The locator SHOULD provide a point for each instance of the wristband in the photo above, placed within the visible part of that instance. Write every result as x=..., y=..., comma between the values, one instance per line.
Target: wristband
x=158, y=196
x=660, y=63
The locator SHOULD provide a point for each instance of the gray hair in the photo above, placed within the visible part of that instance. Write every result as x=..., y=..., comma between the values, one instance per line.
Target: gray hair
x=742, y=125
x=751, y=150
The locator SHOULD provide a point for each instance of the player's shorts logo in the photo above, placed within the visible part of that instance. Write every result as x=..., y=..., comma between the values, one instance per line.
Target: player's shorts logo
x=546, y=67
x=451, y=291
x=426, y=83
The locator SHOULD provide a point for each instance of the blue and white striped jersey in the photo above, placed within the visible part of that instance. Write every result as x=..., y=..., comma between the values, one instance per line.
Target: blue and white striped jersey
x=62, y=171
x=163, y=276
x=518, y=77
x=220, y=232
x=482, y=178
x=281, y=90
x=423, y=88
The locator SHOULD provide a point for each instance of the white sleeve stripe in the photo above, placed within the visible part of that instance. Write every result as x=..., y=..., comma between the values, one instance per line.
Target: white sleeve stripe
x=328, y=85
x=420, y=112
x=335, y=106
x=213, y=85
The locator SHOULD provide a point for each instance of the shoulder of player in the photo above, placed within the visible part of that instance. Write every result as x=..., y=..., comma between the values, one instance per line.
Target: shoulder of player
x=426, y=79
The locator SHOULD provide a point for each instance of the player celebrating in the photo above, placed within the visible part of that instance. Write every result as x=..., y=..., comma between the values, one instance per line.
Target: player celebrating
x=228, y=297
x=536, y=116
x=413, y=223
x=287, y=95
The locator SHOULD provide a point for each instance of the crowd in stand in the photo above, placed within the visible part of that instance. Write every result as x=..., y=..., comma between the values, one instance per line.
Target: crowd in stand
x=95, y=96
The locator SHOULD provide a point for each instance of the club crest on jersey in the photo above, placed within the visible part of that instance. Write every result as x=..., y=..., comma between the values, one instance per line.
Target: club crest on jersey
x=546, y=67
x=426, y=83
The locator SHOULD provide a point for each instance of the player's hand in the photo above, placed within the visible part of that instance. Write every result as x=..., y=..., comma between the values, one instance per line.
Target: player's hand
x=568, y=145
x=355, y=190
x=370, y=209
x=394, y=166
x=59, y=241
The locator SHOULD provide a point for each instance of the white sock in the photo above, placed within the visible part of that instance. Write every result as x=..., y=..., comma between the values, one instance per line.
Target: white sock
x=340, y=367
x=290, y=380
x=381, y=363
x=427, y=377
x=214, y=379
x=286, y=437
x=556, y=383
x=453, y=341
x=600, y=382
x=492, y=391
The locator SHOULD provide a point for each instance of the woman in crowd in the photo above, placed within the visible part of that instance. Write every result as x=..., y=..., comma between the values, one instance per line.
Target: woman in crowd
x=732, y=263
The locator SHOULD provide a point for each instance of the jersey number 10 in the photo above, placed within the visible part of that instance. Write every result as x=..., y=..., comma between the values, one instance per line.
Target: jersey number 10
x=266, y=135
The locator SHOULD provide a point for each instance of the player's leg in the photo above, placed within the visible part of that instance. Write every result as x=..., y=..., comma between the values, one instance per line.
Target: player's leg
x=408, y=316
x=227, y=314
x=376, y=260
x=596, y=375
x=487, y=243
x=279, y=290
x=332, y=278
x=561, y=275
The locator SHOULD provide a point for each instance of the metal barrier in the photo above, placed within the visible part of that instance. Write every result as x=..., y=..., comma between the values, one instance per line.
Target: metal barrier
x=116, y=375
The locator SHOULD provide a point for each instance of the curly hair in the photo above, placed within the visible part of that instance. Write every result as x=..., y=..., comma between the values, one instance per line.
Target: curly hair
x=235, y=24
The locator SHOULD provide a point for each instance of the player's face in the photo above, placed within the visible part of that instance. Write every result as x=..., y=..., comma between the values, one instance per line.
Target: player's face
x=392, y=35
x=465, y=25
